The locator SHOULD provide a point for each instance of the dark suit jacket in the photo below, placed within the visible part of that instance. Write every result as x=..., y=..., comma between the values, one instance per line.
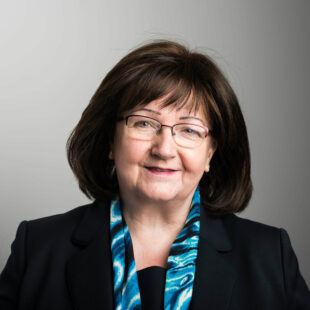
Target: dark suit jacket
x=64, y=262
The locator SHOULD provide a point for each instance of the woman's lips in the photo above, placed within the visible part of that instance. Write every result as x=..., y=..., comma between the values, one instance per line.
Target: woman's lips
x=161, y=171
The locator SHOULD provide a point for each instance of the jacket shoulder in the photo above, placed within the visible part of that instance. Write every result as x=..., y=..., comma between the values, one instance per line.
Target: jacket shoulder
x=56, y=228
x=71, y=216
x=244, y=231
x=250, y=225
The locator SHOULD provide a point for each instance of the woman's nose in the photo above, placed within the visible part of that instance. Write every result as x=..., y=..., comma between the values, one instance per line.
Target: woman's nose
x=163, y=144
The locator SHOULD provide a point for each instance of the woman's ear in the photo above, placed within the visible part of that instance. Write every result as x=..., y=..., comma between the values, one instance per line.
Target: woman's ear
x=211, y=150
x=111, y=153
x=111, y=156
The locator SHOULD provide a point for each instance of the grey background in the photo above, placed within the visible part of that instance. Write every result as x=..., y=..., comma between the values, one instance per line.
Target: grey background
x=55, y=53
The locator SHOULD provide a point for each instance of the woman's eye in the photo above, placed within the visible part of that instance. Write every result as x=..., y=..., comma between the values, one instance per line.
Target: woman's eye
x=142, y=124
x=191, y=132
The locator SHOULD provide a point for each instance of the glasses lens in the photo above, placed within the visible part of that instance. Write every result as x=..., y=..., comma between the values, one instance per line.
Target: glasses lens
x=142, y=127
x=189, y=135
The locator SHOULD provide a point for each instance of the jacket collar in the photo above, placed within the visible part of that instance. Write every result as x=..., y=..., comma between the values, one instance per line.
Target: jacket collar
x=213, y=231
x=90, y=274
x=95, y=216
x=215, y=276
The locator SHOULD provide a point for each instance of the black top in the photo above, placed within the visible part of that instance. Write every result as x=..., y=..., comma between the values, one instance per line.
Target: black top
x=152, y=287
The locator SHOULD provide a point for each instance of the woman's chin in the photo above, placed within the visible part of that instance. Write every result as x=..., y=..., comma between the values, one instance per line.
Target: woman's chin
x=159, y=194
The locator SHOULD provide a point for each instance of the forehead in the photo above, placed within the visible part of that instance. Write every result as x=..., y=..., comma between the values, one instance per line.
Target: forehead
x=158, y=107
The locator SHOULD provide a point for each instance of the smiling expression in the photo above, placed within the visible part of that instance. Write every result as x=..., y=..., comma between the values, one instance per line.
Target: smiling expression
x=160, y=170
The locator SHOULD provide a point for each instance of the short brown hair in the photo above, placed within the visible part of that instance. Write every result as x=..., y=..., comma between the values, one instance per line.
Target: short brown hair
x=156, y=70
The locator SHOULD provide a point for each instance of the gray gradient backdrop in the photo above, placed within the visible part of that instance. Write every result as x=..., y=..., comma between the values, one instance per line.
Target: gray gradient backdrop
x=55, y=53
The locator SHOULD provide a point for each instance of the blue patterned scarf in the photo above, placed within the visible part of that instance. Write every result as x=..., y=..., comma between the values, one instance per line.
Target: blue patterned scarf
x=180, y=267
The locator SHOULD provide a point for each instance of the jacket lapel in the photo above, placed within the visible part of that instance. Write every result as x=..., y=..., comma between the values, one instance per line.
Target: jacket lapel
x=214, y=277
x=89, y=273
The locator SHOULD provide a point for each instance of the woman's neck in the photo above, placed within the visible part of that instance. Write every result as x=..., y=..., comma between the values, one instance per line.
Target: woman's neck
x=152, y=220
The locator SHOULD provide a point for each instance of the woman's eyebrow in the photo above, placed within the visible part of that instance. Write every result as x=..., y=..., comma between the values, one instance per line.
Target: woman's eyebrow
x=180, y=118
x=148, y=110
x=192, y=117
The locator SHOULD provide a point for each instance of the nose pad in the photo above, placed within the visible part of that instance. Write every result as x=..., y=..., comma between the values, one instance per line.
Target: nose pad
x=161, y=129
x=164, y=145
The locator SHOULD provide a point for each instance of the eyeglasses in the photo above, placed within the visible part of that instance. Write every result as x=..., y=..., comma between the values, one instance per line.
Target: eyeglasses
x=184, y=134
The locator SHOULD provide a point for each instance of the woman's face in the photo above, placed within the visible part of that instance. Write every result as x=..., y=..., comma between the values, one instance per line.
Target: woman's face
x=159, y=169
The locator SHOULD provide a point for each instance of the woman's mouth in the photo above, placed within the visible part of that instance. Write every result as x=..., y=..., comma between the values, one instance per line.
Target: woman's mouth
x=161, y=170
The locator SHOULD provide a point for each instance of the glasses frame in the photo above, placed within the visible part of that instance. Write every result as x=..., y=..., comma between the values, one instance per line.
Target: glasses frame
x=206, y=129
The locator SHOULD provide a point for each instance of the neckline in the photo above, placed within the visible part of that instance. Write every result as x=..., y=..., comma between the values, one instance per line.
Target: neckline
x=152, y=268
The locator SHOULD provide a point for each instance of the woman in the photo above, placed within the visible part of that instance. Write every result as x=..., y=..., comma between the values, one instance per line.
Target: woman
x=162, y=149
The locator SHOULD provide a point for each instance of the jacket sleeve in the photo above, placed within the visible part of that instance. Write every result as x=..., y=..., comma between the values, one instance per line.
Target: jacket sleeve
x=12, y=274
x=296, y=288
